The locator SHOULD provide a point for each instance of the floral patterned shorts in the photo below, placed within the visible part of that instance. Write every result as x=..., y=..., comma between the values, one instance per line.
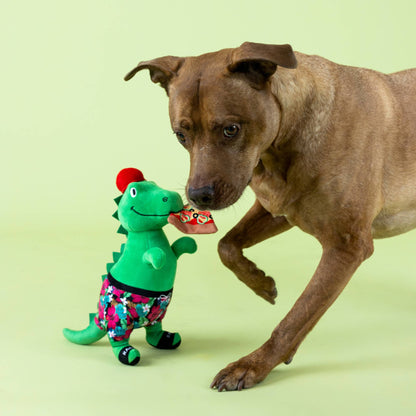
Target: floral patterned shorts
x=122, y=308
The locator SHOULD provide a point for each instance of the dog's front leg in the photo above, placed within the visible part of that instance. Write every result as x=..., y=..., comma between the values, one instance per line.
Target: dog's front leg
x=257, y=225
x=338, y=263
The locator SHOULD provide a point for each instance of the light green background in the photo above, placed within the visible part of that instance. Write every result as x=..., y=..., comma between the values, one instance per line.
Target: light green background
x=69, y=123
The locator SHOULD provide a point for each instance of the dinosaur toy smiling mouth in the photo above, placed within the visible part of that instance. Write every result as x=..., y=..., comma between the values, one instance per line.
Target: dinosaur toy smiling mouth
x=150, y=215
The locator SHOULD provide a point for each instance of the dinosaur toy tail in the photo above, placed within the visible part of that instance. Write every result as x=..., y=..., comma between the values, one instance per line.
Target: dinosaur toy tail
x=85, y=336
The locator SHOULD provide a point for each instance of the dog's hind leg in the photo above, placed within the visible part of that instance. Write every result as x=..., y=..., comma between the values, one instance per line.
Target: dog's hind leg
x=256, y=226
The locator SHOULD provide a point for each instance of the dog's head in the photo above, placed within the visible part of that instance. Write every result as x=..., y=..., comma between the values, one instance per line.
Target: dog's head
x=223, y=112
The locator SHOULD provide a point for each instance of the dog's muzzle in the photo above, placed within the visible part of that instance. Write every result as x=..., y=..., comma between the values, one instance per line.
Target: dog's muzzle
x=202, y=197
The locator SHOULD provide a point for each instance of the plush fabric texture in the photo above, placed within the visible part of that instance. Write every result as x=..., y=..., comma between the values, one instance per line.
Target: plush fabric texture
x=120, y=311
x=138, y=286
x=127, y=176
x=193, y=221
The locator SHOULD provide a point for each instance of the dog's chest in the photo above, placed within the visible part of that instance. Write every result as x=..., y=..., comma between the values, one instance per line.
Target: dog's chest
x=271, y=191
x=271, y=186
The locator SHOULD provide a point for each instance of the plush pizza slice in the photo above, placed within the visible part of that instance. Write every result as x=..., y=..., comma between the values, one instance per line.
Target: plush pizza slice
x=192, y=221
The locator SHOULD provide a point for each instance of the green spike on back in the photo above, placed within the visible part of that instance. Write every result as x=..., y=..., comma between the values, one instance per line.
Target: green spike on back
x=117, y=201
x=116, y=258
x=122, y=230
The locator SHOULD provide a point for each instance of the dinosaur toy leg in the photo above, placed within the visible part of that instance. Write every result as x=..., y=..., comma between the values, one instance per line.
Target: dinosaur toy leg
x=157, y=337
x=124, y=352
x=90, y=334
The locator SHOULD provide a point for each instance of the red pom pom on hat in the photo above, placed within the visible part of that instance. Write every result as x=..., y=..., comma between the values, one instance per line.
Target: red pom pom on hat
x=127, y=176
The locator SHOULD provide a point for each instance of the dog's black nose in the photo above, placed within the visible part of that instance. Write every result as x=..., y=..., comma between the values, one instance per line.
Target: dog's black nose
x=201, y=197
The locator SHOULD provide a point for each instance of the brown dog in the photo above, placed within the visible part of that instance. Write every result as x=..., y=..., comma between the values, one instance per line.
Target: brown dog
x=328, y=148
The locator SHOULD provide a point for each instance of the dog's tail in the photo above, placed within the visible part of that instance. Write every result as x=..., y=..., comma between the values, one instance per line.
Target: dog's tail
x=90, y=334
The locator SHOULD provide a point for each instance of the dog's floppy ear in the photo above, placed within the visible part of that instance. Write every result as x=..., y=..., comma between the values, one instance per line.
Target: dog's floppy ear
x=259, y=61
x=162, y=70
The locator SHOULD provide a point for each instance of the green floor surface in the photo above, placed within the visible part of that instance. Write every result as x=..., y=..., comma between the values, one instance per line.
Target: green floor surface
x=360, y=359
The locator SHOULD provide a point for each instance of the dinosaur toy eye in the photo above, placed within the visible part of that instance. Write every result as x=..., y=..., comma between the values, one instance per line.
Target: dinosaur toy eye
x=133, y=192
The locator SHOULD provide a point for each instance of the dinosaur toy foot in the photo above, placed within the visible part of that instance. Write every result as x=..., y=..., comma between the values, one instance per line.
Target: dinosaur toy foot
x=129, y=356
x=169, y=341
x=163, y=340
x=125, y=353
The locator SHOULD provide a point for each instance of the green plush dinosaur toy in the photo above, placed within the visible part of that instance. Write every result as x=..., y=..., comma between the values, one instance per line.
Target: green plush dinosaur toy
x=138, y=287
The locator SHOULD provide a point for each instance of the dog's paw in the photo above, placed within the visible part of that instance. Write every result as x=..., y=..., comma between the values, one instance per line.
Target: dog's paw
x=240, y=375
x=266, y=289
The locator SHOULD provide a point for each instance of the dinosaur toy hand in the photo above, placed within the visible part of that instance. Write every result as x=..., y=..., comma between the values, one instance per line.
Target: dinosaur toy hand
x=184, y=245
x=155, y=257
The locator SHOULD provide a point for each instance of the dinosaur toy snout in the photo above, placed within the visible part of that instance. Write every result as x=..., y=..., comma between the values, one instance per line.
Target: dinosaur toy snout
x=187, y=219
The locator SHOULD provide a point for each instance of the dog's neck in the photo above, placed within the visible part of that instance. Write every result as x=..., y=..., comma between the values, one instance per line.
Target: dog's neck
x=305, y=100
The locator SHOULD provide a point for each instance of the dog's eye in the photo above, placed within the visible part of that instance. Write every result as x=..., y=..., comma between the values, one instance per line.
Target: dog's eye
x=133, y=192
x=231, y=130
x=180, y=136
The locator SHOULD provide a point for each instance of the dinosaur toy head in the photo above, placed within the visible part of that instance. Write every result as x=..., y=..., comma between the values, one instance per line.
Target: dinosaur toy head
x=144, y=206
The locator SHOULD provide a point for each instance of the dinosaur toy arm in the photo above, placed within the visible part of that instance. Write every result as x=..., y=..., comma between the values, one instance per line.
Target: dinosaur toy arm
x=155, y=257
x=184, y=245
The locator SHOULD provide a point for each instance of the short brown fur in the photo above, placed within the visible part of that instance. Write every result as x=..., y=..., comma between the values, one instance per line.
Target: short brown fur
x=328, y=148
